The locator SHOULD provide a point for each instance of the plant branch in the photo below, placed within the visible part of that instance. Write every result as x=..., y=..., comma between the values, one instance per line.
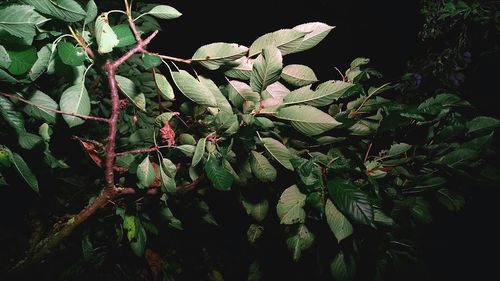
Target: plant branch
x=141, y=150
x=95, y=118
x=94, y=142
x=188, y=61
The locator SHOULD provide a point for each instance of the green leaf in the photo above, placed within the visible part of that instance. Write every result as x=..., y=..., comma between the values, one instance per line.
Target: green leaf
x=214, y=55
x=129, y=226
x=266, y=69
x=166, y=90
x=40, y=66
x=278, y=151
x=151, y=61
x=340, y=226
x=286, y=40
x=124, y=35
x=45, y=132
x=28, y=140
x=146, y=173
x=261, y=168
x=131, y=91
x=193, y=89
x=242, y=69
x=341, y=271
x=298, y=75
x=258, y=211
x=168, y=183
x=351, y=201
x=4, y=58
x=301, y=241
x=169, y=167
x=5, y=159
x=20, y=21
x=22, y=60
x=138, y=245
x=451, y=200
x=91, y=10
x=75, y=99
x=4, y=76
x=239, y=92
x=217, y=174
x=40, y=98
x=421, y=212
x=70, y=54
x=199, y=151
x=24, y=171
x=459, y=157
x=325, y=94
x=65, y=10
x=10, y=115
x=253, y=233
x=222, y=103
x=482, y=123
x=289, y=207
x=398, y=148
x=105, y=36
x=315, y=33
x=307, y=119
x=164, y=12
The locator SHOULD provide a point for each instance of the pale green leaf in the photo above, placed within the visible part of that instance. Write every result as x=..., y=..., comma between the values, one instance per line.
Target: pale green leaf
x=105, y=36
x=169, y=167
x=242, y=69
x=253, y=233
x=222, y=103
x=324, y=94
x=258, y=211
x=40, y=98
x=131, y=91
x=65, y=10
x=340, y=226
x=289, y=207
x=146, y=173
x=261, y=168
x=301, y=241
x=166, y=90
x=91, y=10
x=266, y=69
x=286, y=40
x=4, y=76
x=164, y=12
x=307, y=119
x=298, y=75
x=239, y=92
x=193, y=89
x=41, y=64
x=315, y=33
x=199, y=151
x=278, y=151
x=168, y=183
x=20, y=21
x=75, y=99
x=214, y=55
x=4, y=58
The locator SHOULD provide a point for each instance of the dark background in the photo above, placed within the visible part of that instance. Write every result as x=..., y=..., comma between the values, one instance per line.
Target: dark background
x=459, y=246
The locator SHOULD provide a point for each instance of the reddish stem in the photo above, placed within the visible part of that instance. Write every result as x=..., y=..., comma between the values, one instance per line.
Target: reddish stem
x=141, y=150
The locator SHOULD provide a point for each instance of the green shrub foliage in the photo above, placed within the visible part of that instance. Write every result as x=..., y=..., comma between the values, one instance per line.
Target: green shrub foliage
x=343, y=159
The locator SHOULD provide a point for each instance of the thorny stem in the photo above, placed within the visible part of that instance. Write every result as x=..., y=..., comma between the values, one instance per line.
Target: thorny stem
x=95, y=118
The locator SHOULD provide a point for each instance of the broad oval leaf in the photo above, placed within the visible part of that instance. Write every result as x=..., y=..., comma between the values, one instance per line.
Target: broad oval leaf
x=22, y=60
x=258, y=210
x=40, y=66
x=301, y=241
x=75, y=99
x=40, y=98
x=4, y=58
x=289, y=207
x=482, y=123
x=193, y=89
x=25, y=172
x=66, y=10
x=278, y=151
x=131, y=91
x=315, y=33
x=266, y=69
x=91, y=10
x=298, y=75
x=70, y=54
x=340, y=226
x=222, y=103
x=199, y=151
x=166, y=90
x=239, y=92
x=124, y=35
x=307, y=119
x=13, y=117
x=146, y=173
x=352, y=201
x=164, y=12
x=324, y=94
x=286, y=40
x=217, y=174
x=242, y=69
x=105, y=36
x=20, y=21
x=261, y=168
x=340, y=269
x=214, y=55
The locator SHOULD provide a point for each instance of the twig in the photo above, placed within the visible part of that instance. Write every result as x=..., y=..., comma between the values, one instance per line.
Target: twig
x=141, y=150
x=94, y=142
x=188, y=61
x=368, y=151
x=95, y=118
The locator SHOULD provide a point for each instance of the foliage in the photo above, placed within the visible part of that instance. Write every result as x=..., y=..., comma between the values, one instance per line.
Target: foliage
x=344, y=161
